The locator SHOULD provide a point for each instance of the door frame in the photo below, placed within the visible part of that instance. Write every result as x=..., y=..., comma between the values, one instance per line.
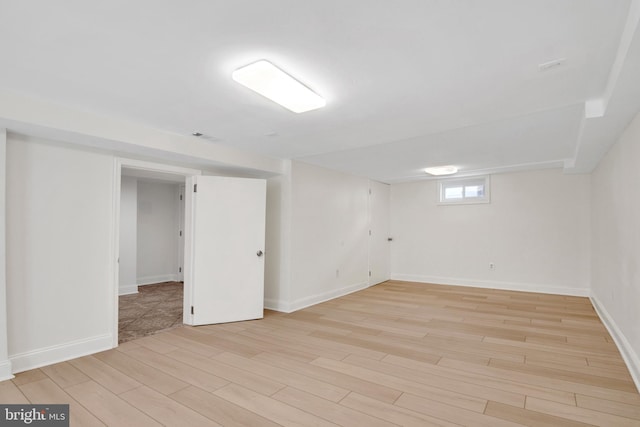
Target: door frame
x=181, y=229
x=125, y=163
x=375, y=240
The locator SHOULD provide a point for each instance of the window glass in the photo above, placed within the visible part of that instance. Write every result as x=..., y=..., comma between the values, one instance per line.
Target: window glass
x=453, y=193
x=464, y=190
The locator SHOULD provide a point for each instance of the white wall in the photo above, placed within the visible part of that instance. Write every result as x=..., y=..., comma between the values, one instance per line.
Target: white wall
x=329, y=234
x=127, y=273
x=157, y=232
x=535, y=231
x=615, y=260
x=276, y=285
x=59, y=246
x=5, y=364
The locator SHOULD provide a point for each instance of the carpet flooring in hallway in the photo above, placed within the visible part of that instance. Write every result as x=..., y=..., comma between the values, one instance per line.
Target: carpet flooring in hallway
x=154, y=308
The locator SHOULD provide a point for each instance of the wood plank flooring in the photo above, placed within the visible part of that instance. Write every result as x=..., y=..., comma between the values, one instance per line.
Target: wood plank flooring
x=398, y=353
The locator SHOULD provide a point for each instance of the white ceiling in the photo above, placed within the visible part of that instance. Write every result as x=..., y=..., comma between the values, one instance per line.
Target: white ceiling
x=408, y=84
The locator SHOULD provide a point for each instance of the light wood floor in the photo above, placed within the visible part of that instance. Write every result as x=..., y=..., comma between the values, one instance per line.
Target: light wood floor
x=396, y=354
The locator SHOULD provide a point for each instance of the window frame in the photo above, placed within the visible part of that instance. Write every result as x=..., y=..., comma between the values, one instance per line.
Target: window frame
x=443, y=184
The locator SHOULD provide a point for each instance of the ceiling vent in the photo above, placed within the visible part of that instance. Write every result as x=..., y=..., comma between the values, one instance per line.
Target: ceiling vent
x=551, y=64
x=207, y=137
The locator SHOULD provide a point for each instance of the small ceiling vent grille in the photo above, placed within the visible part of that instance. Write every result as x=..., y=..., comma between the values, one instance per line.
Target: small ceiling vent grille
x=551, y=64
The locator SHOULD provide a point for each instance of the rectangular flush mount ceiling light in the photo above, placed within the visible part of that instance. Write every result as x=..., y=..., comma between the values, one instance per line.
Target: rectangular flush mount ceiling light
x=273, y=83
x=442, y=170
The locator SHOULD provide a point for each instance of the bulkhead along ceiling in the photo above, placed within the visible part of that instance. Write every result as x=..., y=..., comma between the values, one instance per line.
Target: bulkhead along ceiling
x=486, y=85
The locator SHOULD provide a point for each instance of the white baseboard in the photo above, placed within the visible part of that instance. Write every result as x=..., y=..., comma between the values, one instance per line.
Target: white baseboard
x=325, y=296
x=149, y=280
x=277, y=305
x=60, y=353
x=128, y=290
x=507, y=286
x=628, y=354
x=5, y=370
x=285, y=307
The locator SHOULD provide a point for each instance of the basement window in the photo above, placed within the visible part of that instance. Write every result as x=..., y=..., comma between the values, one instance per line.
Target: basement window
x=464, y=190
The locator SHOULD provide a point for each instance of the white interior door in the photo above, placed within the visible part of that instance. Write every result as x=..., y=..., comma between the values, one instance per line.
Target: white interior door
x=379, y=244
x=225, y=244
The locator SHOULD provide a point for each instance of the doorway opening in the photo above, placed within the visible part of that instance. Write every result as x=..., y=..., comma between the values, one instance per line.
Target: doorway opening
x=150, y=236
x=151, y=254
x=223, y=244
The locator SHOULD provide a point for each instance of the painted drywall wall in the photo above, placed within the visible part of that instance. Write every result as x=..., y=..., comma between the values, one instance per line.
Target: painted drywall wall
x=535, y=231
x=615, y=260
x=157, y=232
x=128, y=255
x=275, y=282
x=60, y=281
x=329, y=234
x=5, y=364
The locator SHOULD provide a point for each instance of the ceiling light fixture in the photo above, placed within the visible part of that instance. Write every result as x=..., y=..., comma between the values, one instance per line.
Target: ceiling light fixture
x=273, y=83
x=441, y=170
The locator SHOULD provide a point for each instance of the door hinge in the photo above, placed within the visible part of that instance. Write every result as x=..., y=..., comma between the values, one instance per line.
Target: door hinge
x=181, y=197
x=369, y=232
x=179, y=269
x=369, y=191
x=195, y=188
x=191, y=309
x=180, y=233
x=369, y=273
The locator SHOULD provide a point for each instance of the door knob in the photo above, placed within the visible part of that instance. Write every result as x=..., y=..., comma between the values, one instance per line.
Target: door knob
x=259, y=253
